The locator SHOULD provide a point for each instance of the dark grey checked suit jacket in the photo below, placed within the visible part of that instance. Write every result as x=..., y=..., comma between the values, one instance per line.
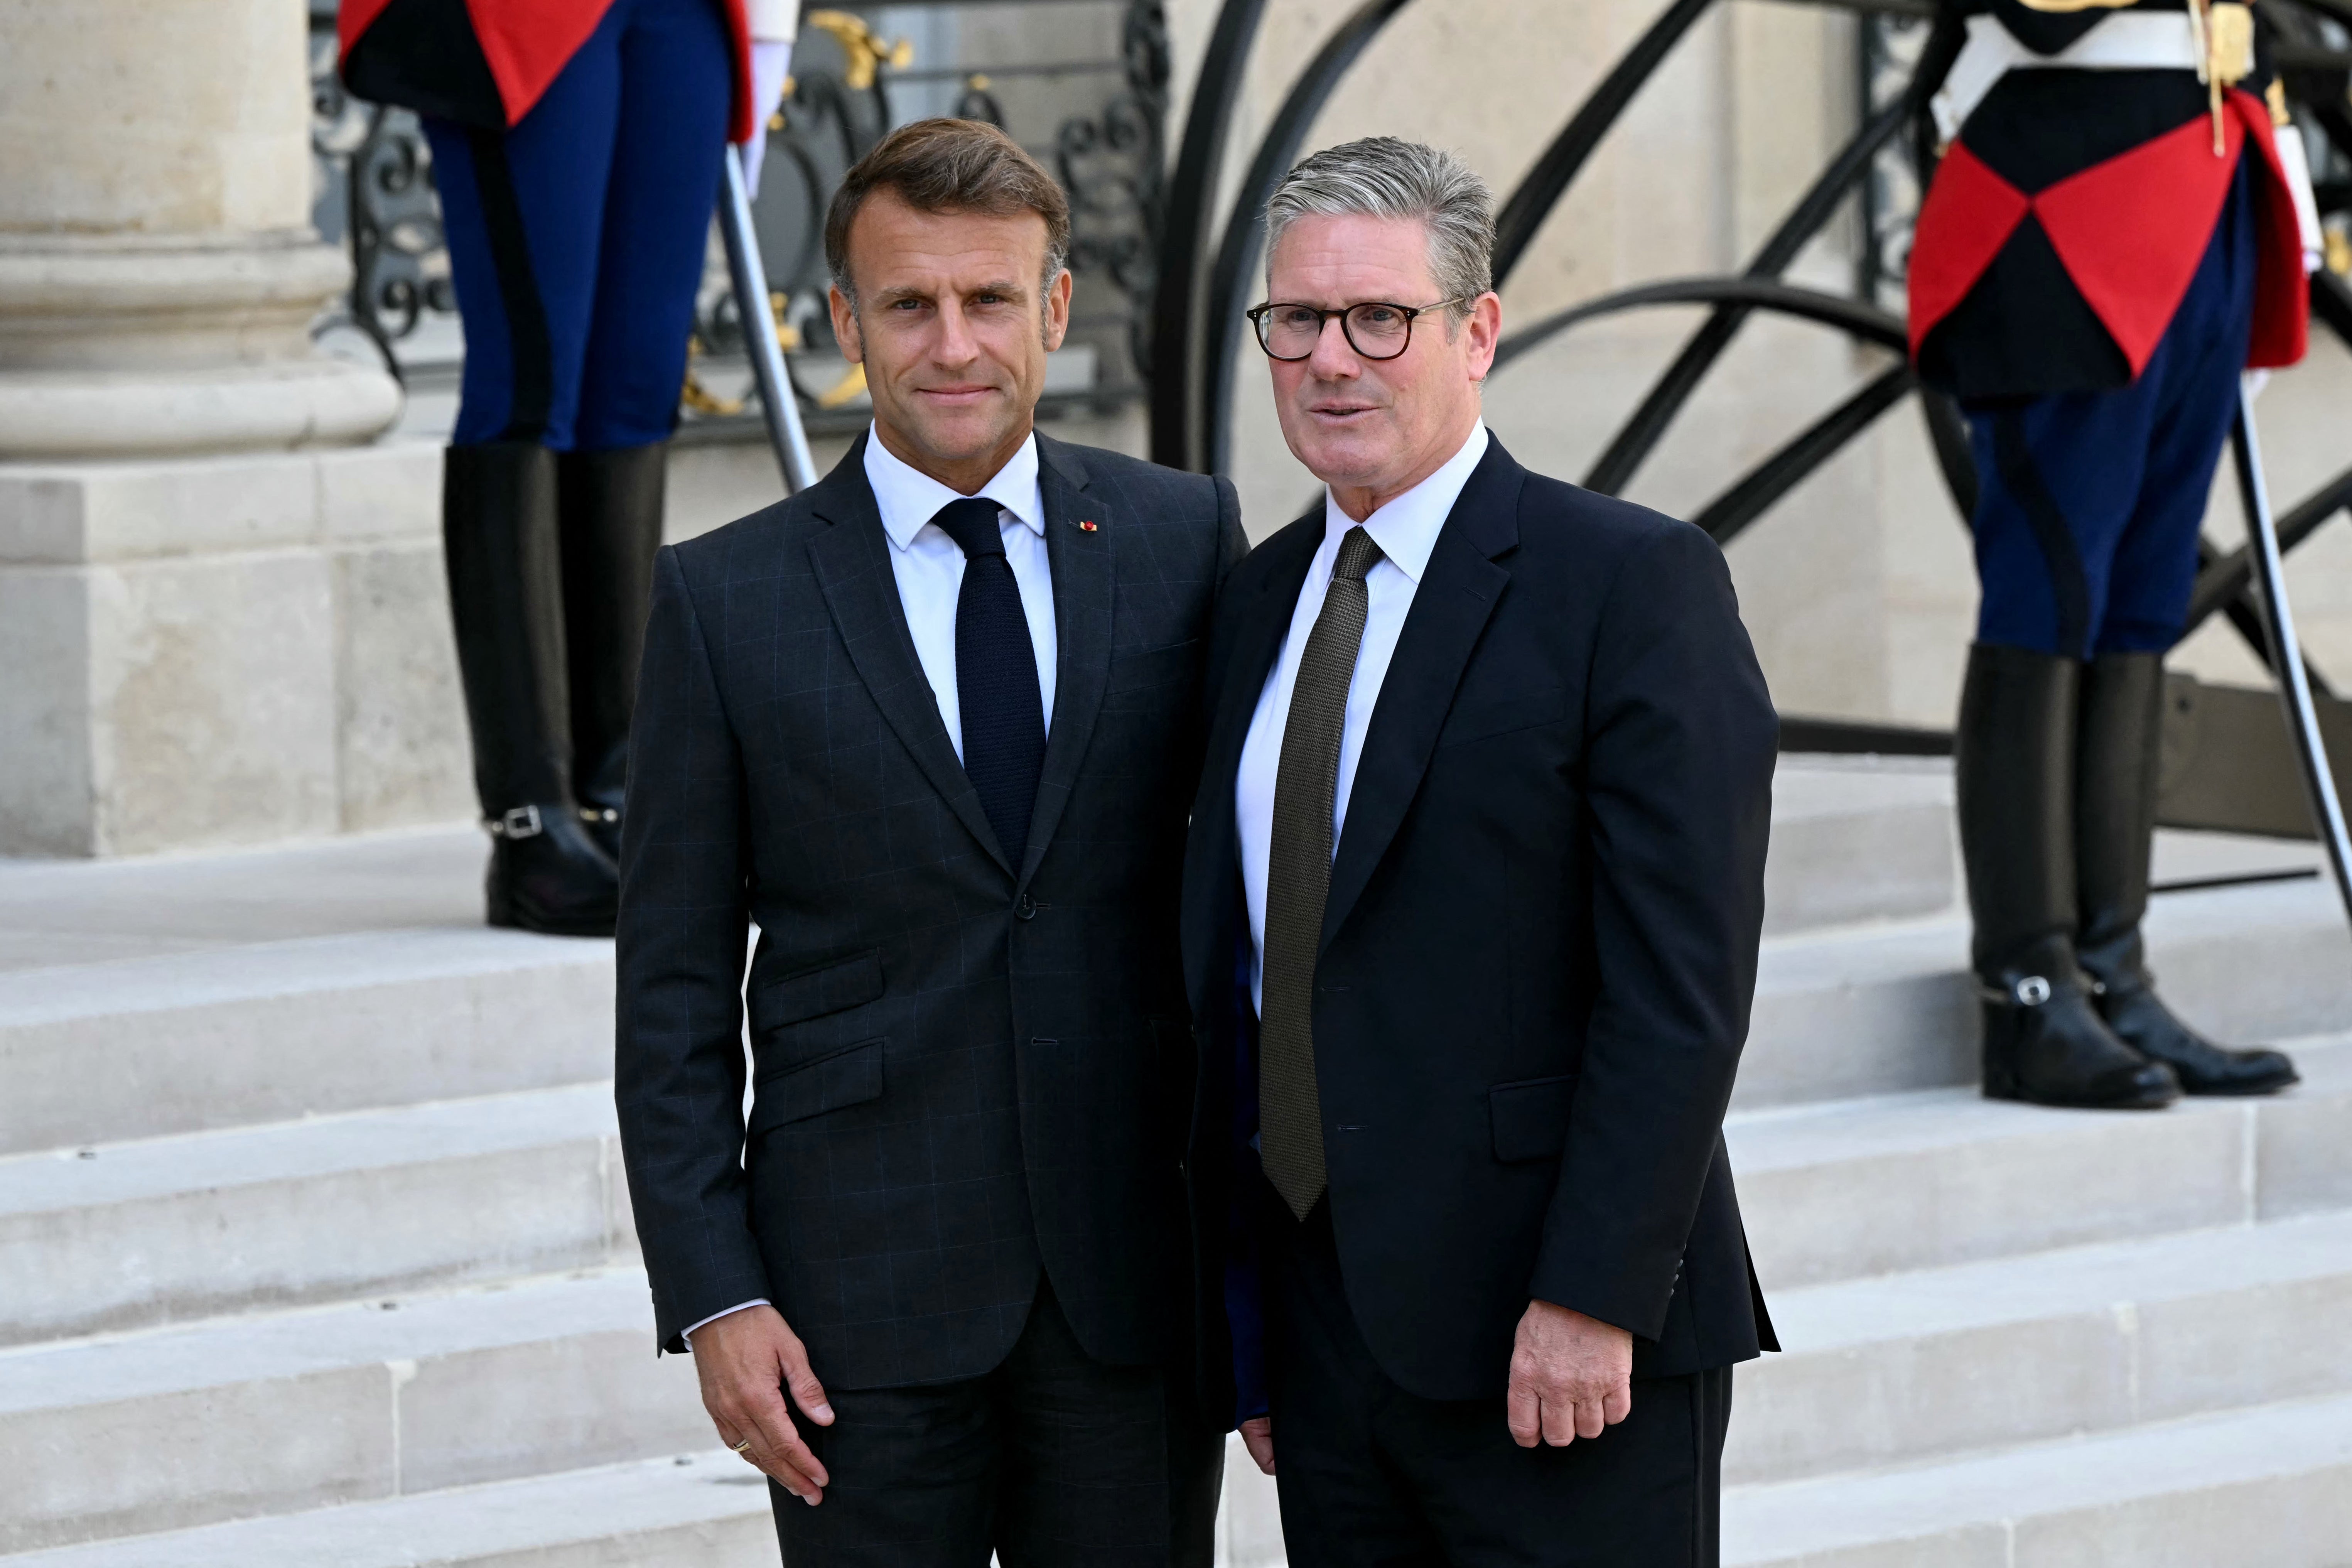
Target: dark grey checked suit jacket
x=963, y=1070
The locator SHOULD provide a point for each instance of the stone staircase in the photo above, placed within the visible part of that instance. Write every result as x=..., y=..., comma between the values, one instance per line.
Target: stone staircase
x=314, y=1249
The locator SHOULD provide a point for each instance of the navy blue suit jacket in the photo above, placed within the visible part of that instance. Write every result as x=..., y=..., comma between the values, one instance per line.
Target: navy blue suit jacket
x=1538, y=951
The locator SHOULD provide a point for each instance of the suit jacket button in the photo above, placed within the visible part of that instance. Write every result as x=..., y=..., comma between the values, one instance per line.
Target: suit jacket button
x=1025, y=910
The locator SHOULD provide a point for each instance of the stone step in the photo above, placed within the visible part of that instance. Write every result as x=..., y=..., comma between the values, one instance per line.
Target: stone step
x=1852, y=1012
x=1856, y=840
x=174, y=997
x=279, y=1413
x=1912, y=1366
x=172, y=1230
x=700, y=1509
x=168, y=1230
x=265, y=1032
x=1873, y=1186
x=2268, y=1485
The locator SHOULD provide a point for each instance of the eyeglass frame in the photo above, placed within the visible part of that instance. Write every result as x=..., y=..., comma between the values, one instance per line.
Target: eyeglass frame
x=1256, y=315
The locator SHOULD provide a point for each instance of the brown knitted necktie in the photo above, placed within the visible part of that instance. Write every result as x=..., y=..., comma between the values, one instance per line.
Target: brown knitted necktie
x=1298, y=881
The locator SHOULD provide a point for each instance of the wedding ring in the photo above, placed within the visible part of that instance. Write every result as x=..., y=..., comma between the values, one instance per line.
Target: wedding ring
x=743, y=1446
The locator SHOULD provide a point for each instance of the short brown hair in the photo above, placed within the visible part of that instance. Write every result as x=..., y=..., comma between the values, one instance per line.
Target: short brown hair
x=948, y=166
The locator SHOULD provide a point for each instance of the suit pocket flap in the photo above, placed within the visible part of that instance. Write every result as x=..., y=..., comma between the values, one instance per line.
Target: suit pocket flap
x=845, y=1078
x=1531, y=1118
x=812, y=992
x=1483, y=717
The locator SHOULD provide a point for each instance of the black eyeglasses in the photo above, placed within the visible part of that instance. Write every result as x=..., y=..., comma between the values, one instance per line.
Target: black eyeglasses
x=1375, y=328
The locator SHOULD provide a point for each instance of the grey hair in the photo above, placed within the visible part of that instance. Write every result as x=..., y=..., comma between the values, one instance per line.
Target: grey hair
x=1381, y=176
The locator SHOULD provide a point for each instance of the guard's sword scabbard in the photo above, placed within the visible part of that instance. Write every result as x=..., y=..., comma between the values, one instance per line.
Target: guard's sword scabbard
x=2286, y=650
x=778, y=406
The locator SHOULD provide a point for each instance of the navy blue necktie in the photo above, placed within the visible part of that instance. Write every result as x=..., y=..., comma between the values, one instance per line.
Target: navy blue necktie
x=996, y=676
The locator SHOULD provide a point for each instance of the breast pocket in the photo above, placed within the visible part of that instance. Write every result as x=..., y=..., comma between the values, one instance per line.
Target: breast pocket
x=1483, y=717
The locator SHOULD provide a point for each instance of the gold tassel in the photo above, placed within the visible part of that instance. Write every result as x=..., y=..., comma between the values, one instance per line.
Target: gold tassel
x=2229, y=53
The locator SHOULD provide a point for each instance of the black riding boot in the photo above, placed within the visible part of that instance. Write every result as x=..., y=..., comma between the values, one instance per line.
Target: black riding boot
x=497, y=524
x=611, y=507
x=2119, y=737
x=2014, y=764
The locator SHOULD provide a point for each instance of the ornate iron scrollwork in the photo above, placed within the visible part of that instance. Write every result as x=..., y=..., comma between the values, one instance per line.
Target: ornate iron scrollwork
x=1112, y=164
x=1887, y=52
x=373, y=173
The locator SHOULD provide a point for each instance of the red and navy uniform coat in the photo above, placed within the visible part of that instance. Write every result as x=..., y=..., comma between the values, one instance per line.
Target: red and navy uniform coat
x=486, y=62
x=2066, y=220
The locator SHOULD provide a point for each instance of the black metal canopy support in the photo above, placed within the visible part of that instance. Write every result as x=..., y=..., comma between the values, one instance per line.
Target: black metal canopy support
x=1199, y=160
x=1641, y=432
x=1864, y=321
x=1762, y=487
x=1523, y=214
x=1237, y=251
x=2226, y=581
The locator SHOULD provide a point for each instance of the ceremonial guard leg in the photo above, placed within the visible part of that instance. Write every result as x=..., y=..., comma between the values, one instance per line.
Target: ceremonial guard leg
x=2115, y=232
x=576, y=161
x=2120, y=730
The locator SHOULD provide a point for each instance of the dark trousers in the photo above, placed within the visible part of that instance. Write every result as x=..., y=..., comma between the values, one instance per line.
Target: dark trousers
x=1373, y=1477
x=1052, y=1461
x=576, y=239
x=2088, y=503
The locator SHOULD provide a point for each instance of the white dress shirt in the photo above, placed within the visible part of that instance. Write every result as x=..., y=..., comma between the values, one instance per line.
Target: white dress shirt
x=1406, y=530
x=929, y=567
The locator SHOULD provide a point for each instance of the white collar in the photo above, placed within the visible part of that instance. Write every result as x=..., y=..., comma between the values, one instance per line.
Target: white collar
x=908, y=497
x=1406, y=529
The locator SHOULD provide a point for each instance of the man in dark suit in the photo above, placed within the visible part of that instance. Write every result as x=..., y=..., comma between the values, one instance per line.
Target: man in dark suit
x=931, y=726
x=1472, y=902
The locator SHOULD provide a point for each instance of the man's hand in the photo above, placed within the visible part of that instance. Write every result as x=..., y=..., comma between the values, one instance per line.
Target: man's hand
x=1257, y=1437
x=1571, y=1376
x=745, y=1361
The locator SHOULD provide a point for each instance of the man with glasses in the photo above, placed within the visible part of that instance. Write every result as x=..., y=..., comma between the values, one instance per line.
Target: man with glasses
x=1472, y=900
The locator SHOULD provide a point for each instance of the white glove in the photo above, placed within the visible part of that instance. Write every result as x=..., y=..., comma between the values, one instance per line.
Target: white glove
x=771, y=62
x=2288, y=140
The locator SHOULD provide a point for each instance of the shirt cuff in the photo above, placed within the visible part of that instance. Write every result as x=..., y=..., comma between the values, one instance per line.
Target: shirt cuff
x=773, y=21
x=740, y=1306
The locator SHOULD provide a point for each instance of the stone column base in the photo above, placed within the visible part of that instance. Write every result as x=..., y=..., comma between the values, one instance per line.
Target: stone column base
x=286, y=406
x=120, y=345
x=228, y=650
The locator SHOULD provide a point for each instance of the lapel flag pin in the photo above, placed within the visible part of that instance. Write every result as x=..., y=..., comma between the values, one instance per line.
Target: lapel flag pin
x=1088, y=527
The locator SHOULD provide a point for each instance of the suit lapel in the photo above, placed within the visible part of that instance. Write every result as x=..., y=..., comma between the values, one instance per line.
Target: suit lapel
x=1212, y=853
x=1084, y=584
x=1450, y=608
x=852, y=562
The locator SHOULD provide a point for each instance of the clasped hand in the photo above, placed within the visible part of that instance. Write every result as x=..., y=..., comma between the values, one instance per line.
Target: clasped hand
x=745, y=1361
